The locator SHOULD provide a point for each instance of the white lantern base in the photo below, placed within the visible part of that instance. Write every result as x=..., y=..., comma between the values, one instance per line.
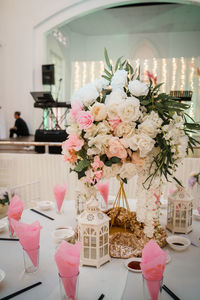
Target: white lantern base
x=174, y=229
x=95, y=263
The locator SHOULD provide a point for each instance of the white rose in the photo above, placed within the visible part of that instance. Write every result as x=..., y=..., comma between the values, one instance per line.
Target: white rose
x=115, y=96
x=125, y=129
x=129, y=110
x=100, y=84
x=148, y=128
x=112, y=171
x=74, y=128
x=91, y=131
x=87, y=94
x=99, y=142
x=99, y=111
x=132, y=142
x=145, y=144
x=119, y=79
x=128, y=170
x=154, y=117
x=103, y=127
x=138, y=88
x=112, y=110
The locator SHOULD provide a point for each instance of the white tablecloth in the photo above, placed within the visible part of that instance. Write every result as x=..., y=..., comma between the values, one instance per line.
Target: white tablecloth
x=182, y=274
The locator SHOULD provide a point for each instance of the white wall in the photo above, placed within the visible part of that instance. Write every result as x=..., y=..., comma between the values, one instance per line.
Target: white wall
x=23, y=22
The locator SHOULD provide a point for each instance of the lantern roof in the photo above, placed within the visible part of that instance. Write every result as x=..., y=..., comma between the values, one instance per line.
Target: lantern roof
x=180, y=194
x=92, y=214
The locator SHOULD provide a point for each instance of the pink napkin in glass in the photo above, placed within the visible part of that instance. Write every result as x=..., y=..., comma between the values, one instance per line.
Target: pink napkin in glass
x=29, y=238
x=198, y=209
x=67, y=259
x=104, y=190
x=59, y=193
x=15, y=210
x=153, y=266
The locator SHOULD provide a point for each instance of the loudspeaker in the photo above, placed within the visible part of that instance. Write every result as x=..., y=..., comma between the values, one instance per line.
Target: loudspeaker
x=48, y=77
x=50, y=136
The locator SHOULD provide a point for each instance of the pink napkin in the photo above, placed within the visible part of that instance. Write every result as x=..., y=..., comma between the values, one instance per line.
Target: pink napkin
x=153, y=266
x=67, y=259
x=59, y=193
x=15, y=210
x=29, y=238
x=198, y=209
x=104, y=190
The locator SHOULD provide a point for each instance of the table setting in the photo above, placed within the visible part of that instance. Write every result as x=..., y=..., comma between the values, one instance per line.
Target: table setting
x=113, y=280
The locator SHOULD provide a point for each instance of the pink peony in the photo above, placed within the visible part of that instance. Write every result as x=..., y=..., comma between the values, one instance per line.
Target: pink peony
x=76, y=108
x=84, y=119
x=97, y=164
x=115, y=148
x=72, y=143
x=114, y=123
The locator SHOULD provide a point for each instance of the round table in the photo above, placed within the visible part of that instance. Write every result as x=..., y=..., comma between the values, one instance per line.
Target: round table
x=112, y=279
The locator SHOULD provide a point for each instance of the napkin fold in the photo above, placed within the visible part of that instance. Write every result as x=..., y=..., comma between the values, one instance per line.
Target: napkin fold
x=104, y=190
x=29, y=238
x=153, y=266
x=59, y=193
x=15, y=210
x=67, y=259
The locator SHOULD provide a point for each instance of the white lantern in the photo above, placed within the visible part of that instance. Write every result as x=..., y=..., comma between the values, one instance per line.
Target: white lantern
x=179, y=211
x=93, y=233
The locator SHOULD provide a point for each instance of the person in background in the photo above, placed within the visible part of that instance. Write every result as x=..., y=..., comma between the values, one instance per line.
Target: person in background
x=20, y=128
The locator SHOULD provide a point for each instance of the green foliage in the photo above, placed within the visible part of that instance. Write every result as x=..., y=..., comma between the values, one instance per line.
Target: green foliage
x=81, y=165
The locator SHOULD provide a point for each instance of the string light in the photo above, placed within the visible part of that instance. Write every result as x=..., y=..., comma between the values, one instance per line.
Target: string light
x=92, y=71
x=101, y=69
x=164, y=74
x=76, y=76
x=59, y=36
x=84, y=73
x=174, y=69
x=182, y=74
x=155, y=65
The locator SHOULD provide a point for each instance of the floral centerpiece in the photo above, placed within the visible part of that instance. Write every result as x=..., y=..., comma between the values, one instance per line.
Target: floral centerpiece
x=121, y=126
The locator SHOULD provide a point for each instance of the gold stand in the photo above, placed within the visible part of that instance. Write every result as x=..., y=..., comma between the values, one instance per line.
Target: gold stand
x=121, y=195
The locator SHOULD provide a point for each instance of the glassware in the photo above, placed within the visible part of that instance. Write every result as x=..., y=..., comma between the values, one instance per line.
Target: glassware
x=10, y=234
x=152, y=289
x=31, y=260
x=69, y=287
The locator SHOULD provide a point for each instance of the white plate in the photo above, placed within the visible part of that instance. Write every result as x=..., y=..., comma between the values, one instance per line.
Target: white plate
x=178, y=239
x=45, y=205
x=196, y=214
x=3, y=225
x=127, y=261
x=2, y=275
x=63, y=233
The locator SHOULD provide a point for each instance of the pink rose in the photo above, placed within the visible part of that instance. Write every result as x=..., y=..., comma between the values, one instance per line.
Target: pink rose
x=84, y=119
x=97, y=164
x=114, y=122
x=115, y=148
x=72, y=143
x=76, y=108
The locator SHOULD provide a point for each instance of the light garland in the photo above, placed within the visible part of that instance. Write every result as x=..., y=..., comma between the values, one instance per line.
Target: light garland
x=60, y=37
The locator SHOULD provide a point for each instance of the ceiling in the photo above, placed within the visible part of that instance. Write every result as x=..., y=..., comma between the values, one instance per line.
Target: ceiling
x=138, y=19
